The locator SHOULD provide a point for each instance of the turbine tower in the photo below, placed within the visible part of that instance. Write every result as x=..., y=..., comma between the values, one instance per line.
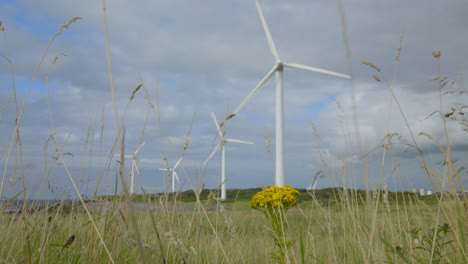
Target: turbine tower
x=221, y=145
x=278, y=70
x=173, y=174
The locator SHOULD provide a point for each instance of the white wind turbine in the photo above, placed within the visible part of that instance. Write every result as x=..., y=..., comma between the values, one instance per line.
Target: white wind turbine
x=135, y=160
x=313, y=186
x=173, y=174
x=278, y=70
x=221, y=145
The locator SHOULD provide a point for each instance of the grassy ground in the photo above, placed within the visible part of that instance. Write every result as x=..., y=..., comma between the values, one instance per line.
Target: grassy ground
x=327, y=226
x=347, y=230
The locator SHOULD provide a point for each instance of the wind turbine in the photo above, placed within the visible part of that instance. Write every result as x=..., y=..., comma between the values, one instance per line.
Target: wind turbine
x=135, y=160
x=313, y=186
x=221, y=145
x=173, y=174
x=278, y=70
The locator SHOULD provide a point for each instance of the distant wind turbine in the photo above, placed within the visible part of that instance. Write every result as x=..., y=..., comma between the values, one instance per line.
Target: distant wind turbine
x=278, y=70
x=173, y=174
x=135, y=160
x=313, y=186
x=221, y=145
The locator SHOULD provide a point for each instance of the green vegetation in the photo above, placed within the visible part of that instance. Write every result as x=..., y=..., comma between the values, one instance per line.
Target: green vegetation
x=173, y=231
x=333, y=225
x=322, y=196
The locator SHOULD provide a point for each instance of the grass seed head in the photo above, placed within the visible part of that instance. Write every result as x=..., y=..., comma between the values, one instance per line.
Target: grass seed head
x=186, y=143
x=230, y=116
x=371, y=64
x=69, y=241
x=425, y=134
x=268, y=143
x=449, y=114
x=376, y=77
x=67, y=25
x=135, y=91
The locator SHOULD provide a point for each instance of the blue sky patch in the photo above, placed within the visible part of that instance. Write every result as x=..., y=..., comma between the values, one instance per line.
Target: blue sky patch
x=315, y=109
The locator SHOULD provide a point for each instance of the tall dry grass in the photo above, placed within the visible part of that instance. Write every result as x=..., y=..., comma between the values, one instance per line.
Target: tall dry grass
x=347, y=227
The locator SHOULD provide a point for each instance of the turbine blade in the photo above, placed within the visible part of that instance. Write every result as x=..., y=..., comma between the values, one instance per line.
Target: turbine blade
x=166, y=169
x=138, y=149
x=313, y=69
x=212, y=153
x=176, y=177
x=136, y=167
x=238, y=141
x=217, y=126
x=177, y=163
x=314, y=187
x=256, y=89
x=314, y=182
x=267, y=32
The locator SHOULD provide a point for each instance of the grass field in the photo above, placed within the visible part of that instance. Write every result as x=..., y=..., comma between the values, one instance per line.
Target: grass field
x=334, y=225
x=330, y=226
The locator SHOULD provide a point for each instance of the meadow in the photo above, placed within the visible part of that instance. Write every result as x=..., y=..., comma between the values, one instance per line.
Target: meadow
x=327, y=226
x=334, y=225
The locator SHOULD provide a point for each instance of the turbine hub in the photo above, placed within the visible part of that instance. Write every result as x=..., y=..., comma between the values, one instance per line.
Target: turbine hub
x=279, y=65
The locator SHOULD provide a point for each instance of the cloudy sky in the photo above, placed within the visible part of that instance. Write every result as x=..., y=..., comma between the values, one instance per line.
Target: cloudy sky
x=197, y=58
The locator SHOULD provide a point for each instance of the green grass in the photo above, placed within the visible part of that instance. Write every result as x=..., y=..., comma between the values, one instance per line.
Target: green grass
x=333, y=225
x=323, y=196
x=331, y=233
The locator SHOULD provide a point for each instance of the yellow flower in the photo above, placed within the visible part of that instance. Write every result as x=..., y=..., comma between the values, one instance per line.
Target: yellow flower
x=275, y=197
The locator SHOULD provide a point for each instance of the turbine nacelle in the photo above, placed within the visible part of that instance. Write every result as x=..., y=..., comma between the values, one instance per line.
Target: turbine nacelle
x=173, y=174
x=279, y=65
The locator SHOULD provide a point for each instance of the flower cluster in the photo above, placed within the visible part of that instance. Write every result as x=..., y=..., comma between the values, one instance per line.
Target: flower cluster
x=273, y=202
x=275, y=197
